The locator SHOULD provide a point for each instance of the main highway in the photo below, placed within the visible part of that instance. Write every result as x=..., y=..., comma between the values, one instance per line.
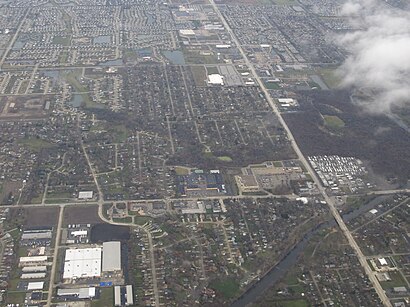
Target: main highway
x=332, y=206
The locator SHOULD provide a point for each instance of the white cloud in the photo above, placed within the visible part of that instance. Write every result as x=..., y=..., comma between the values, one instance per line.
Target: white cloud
x=379, y=60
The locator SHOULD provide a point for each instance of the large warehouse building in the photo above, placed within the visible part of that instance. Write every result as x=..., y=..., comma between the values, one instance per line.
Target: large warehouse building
x=82, y=263
x=111, y=256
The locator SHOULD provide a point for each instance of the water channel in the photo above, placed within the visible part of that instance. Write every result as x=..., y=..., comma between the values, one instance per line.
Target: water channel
x=289, y=260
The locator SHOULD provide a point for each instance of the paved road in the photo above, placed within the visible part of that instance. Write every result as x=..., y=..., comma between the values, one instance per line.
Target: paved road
x=302, y=158
x=55, y=257
x=13, y=40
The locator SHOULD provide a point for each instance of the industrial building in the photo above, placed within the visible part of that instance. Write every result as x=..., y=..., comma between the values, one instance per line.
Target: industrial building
x=82, y=263
x=85, y=195
x=111, y=256
x=123, y=296
x=215, y=79
x=33, y=260
x=32, y=269
x=39, y=275
x=38, y=285
x=78, y=293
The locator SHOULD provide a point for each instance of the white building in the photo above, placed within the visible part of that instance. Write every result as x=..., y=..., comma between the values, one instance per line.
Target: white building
x=81, y=293
x=215, y=79
x=82, y=263
x=85, y=195
x=38, y=285
x=111, y=256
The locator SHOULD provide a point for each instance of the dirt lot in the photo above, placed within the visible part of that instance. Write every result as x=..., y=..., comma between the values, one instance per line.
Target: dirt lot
x=36, y=217
x=87, y=214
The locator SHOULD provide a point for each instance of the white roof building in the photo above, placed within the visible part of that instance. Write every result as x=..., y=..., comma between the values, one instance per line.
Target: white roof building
x=186, y=32
x=215, y=79
x=82, y=263
x=33, y=275
x=32, y=259
x=38, y=285
x=382, y=261
x=85, y=195
x=111, y=256
x=82, y=293
x=30, y=269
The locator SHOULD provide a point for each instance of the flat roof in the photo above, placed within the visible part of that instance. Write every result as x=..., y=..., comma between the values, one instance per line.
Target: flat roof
x=38, y=285
x=33, y=259
x=85, y=194
x=82, y=263
x=215, y=79
x=111, y=256
x=129, y=295
x=117, y=296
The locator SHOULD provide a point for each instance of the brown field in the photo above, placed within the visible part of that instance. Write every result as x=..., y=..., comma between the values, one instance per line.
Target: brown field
x=35, y=217
x=87, y=214
x=7, y=188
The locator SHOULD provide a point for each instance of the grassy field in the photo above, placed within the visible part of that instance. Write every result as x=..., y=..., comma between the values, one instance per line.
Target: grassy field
x=333, y=122
x=141, y=220
x=272, y=85
x=180, y=170
x=396, y=281
x=293, y=303
x=330, y=77
x=16, y=297
x=35, y=144
x=227, y=287
x=119, y=132
x=199, y=74
x=106, y=298
x=225, y=159
x=62, y=40
x=127, y=219
x=212, y=70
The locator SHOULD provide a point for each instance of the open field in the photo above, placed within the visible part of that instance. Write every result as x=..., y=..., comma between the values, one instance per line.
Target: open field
x=87, y=214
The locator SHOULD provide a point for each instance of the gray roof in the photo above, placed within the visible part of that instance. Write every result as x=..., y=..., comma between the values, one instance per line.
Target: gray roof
x=111, y=256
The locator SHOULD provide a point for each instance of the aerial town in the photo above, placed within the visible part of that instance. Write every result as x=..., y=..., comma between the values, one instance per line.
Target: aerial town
x=197, y=153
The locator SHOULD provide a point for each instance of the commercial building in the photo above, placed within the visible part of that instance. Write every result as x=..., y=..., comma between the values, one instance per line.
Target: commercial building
x=82, y=263
x=247, y=183
x=79, y=293
x=123, y=296
x=215, y=79
x=85, y=195
x=117, y=296
x=33, y=275
x=111, y=256
x=129, y=295
x=32, y=260
x=32, y=269
x=38, y=285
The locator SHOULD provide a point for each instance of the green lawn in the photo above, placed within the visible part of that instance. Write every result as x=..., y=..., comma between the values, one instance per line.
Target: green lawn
x=396, y=281
x=180, y=170
x=272, y=85
x=106, y=298
x=35, y=144
x=16, y=297
x=62, y=40
x=199, y=74
x=333, y=122
x=227, y=287
x=141, y=220
x=293, y=303
x=225, y=158
x=330, y=77
x=127, y=219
